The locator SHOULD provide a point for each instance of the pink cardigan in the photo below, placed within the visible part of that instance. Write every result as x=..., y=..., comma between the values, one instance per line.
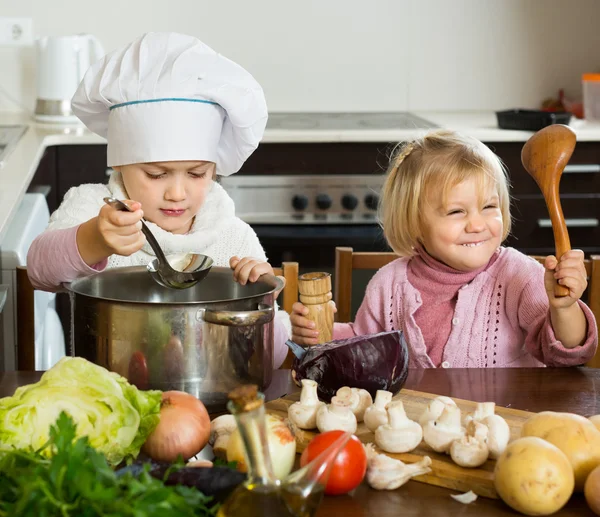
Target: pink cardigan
x=501, y=319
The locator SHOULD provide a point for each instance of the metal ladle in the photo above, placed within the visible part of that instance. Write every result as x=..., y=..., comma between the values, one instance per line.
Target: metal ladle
x=160, y=269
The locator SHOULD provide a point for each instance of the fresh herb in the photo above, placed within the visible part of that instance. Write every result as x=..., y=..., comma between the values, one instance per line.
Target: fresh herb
x=219, y=462
x=78, y=481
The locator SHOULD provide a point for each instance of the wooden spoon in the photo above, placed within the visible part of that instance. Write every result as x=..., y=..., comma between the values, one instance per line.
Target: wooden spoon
x=544, y=157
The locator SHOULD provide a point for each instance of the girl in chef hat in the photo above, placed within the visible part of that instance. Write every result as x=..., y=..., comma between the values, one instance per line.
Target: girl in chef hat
x=460, y=298
x=176, y=115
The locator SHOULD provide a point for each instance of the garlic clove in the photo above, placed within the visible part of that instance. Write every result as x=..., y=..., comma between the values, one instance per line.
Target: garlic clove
x=466, y=498
x=385, y=473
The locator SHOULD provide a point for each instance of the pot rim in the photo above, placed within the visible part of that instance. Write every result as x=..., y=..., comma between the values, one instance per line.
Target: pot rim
x=273, y=281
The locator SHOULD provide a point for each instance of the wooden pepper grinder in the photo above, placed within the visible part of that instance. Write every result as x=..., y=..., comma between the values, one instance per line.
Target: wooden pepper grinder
x=315, y=294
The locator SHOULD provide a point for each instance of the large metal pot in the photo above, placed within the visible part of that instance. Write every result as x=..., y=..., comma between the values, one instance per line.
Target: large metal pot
x=204, y=340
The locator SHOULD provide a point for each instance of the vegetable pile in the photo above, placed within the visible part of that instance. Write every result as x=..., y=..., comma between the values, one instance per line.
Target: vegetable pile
x=116, y=417
x=78, y=481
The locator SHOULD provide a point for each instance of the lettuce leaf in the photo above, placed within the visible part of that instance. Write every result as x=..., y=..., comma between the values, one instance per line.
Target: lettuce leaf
x=114, y=415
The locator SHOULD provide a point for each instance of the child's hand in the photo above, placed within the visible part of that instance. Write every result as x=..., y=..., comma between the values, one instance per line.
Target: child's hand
x=122, y=231
x=303, y=329
x=570, y=272
x=249, y=269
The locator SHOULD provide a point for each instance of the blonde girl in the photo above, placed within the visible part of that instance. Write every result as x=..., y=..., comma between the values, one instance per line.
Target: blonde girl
x=459, y=296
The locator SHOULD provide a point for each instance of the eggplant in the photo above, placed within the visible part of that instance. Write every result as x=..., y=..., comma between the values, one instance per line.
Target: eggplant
x=217, y=482
x=373, y=362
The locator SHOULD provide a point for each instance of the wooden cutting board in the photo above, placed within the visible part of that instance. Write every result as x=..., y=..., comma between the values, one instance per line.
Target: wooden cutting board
x=444, y=472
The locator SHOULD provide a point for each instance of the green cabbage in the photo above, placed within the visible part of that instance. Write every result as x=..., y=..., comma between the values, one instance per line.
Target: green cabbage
x=114, y=415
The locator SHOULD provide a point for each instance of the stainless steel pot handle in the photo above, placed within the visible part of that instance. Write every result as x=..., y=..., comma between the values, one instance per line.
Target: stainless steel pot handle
x=264, y=314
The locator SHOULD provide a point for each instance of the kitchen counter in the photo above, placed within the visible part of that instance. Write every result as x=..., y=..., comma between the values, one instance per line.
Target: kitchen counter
x=532, y=389
x=22, y=163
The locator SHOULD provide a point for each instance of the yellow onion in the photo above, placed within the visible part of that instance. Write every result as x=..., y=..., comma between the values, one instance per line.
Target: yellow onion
x=183, y=430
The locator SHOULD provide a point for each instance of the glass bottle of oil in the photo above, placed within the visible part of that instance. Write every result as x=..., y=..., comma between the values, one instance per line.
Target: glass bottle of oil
x=262, y=494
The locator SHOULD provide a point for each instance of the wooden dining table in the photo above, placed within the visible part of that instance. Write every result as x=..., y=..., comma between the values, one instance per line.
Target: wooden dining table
x=575, y=390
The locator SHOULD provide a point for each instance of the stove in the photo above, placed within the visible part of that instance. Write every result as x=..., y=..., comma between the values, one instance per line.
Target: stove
x=305, y=200
x=347, y=121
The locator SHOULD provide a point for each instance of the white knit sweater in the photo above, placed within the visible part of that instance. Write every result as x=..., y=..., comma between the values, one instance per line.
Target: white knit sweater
x=216, y=230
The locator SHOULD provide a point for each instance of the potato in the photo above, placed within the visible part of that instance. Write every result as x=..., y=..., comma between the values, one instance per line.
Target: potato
x=596, y=421
x=573, y=434
x=534, y=477
x=592, y=490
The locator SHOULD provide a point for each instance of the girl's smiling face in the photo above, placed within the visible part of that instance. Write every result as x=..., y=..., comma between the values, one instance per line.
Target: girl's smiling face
x=464, y=230
x=171, y=193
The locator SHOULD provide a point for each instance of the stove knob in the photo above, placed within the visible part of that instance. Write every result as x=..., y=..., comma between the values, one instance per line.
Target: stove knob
x=300, y=202
x=323, y=201
x=371, y=201
x=349, y=201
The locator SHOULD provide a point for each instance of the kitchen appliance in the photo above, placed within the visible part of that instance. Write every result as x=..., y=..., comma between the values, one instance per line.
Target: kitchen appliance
x=30, y=220
x=205, y=340
x=61, y=63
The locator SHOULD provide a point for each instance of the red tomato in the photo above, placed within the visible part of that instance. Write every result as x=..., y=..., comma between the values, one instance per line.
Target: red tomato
x=350, y=464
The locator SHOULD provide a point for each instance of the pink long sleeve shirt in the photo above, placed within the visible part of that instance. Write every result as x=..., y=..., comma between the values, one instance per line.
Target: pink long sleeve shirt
x=54, y=259
x=498, y=318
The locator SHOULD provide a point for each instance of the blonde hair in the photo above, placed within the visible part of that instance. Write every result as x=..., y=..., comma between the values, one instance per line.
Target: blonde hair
x=440, y=160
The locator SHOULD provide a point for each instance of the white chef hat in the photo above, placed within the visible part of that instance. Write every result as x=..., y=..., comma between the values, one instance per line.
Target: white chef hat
x=167, y=97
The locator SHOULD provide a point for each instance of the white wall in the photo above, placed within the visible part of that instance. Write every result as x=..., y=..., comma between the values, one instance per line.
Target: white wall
x=350, y=55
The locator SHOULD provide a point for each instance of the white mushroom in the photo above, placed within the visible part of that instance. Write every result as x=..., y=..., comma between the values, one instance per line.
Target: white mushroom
x=482, y=410
x=385, y=473
x=434, y=409
x=401, y=434
x=498, y=434
x=303, y=414
x=220, y=431
x=359, y=400
x=376, y=414
x=439, y=434
x=336, y=416
x=471, y=450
